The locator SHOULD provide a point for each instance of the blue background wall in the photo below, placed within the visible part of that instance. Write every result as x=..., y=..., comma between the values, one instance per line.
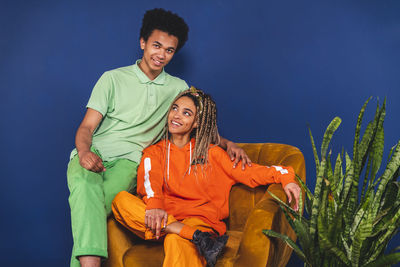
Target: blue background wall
x=272, y=66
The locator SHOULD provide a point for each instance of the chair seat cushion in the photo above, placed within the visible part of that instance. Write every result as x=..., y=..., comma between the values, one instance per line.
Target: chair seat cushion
x=145, y=253
x=231, y=249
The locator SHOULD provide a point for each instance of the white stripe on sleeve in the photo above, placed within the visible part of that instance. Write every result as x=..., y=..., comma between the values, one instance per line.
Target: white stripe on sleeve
x=147, y=184
x=280, y=169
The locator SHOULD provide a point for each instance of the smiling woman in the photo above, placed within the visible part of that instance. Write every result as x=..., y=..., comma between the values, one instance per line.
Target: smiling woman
x=181, y=120
x=184, y=182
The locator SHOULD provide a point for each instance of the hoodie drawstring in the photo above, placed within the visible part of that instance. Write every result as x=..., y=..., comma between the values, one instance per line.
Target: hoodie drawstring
x=190, y=156
x=169, y=149
x=168, y=157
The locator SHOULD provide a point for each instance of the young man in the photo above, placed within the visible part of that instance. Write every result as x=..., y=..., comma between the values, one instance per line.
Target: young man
x=125, y=113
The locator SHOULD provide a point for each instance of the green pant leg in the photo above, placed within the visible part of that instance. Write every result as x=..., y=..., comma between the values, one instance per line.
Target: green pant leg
x=88, y=214
x=120, y=176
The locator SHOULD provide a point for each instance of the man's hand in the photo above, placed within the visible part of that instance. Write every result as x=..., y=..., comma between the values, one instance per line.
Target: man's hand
x=83, y=141
x=91, y=161
x=293, y=188
x=237, y=153
x=153, y=219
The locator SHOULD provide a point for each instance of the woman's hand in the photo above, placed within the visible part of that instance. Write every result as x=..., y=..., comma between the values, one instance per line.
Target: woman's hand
x=153, y=219
x=293, y=188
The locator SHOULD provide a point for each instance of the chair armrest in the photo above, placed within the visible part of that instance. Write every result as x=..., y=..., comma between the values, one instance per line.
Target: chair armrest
x=256, y=249
x=119, y=241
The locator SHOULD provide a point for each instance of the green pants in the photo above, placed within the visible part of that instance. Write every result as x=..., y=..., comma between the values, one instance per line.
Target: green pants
x=90, y=200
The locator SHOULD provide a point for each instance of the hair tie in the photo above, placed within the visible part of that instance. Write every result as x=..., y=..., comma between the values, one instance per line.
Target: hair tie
x=194, y=92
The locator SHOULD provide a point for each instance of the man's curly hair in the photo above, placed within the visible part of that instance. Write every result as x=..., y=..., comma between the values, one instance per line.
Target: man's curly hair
x=166, y=21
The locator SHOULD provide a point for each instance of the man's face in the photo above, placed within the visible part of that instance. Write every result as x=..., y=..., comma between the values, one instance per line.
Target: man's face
x=158, y=50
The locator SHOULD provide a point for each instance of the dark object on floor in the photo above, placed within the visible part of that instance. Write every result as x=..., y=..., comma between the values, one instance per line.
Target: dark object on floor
x=209, y=245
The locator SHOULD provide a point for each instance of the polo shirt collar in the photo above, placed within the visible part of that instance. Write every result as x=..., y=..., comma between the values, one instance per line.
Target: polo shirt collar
x=160, y=79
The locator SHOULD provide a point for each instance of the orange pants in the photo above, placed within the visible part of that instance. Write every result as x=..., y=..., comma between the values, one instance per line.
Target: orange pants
x=130, y=211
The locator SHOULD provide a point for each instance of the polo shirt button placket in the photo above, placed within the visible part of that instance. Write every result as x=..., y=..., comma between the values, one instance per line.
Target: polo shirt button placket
x=152, y=98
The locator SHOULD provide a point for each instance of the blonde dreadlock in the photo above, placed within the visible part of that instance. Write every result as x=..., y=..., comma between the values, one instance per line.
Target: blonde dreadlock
x=206, y=132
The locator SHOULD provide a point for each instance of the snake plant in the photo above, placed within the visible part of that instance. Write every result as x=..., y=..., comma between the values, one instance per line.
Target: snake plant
x=355, y=209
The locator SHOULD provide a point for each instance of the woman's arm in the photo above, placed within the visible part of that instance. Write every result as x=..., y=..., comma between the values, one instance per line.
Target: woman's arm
x=256, y=174
x=150, y=179
x=150, y=186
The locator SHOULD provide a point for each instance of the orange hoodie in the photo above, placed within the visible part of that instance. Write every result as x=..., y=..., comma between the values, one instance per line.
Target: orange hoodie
x=166, y=182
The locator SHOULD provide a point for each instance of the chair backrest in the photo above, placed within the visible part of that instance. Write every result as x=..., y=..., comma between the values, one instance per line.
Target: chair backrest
x=243, y=198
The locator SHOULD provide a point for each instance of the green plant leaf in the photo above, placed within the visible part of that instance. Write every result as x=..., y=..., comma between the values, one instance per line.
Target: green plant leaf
x=391, y=227
x=326, y=244
x=289, y=242
x=301, y=229
x=351, y=223
x=387, y=232
x=363, y=146
x=346, y=247
x=365, y=183
x=317, y=199
x=345, y=199
x=395, y=249
x=361, y=152
x=391, y=204
x=316, y=159
x=377, y=147
x=362, y=232
x=360, y=214
x=380, y=220
x=292, y=211
x=348, y=162
x=385, y=260
x=327, y=191
x=300, y=225
x=348, y=180
x=390, y=170
x=309, y=196
x=373, y=138
x=358, y=127
x=391, y=196
x=340, y=185
x=301, y=205
x=337, y=174
x=332, y=127
x=335, y=228
x=392, y=149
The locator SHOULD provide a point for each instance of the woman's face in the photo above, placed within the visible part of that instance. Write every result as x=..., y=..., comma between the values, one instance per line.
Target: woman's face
x=182, y=117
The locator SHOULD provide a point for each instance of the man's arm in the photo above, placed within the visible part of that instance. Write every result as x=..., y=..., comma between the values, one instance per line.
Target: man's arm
x=83, y=141
x=235, y=152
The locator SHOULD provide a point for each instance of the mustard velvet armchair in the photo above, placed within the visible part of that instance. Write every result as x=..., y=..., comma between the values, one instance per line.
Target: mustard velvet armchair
x=251, y=211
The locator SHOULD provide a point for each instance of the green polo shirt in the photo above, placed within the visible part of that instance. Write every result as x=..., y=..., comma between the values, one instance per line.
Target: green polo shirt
x=134, y=110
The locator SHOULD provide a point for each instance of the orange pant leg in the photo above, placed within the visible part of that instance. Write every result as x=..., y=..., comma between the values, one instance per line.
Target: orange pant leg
x=180, y=252
x=130, y=210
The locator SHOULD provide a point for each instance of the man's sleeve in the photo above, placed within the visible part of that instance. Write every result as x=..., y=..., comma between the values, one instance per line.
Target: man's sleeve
x=182, y=85
x=185, y=86
x=150, y=181
x=255, y=174
x=101, y=98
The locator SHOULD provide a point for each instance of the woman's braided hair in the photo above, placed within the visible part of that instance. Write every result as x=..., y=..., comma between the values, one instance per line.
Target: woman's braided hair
x=206, y=132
